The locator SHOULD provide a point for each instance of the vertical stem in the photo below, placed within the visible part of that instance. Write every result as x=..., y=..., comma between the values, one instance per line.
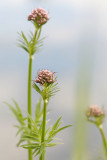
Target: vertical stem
x=30, y=157
x=104, y=140
x=42, y=157
x=29, y=93
x=29, y=100
x=44, y=120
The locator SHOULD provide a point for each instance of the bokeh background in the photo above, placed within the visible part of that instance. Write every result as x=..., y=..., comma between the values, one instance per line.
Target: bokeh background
x=76, y=48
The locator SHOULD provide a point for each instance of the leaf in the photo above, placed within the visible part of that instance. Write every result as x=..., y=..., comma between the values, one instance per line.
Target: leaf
x=52, y=89
x=40, y=129
x=17, y=106
x=14, y=111
x=20, y=141
x=38, y=112
x=36, y=88
x=34, y=152
x=49, y=139
x=47, y=130
x=52, y=144
x=37, y=153
x=30, y=145
x=20, y=130
x=24, y=37
x=31, y=35
x=23, y=42
x=33, y=123
x=22, y=46
x=34, y=133
x=55, y=126
x=33, y=44
x=19, y=112
x=60, y=129
x=29, y=137
x=42, y=150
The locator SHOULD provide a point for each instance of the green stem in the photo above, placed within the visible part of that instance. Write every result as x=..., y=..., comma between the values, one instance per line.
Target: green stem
x=42, y=157
x=104, y=140
x=36, y=36
x=29, y=101
x=30, y=157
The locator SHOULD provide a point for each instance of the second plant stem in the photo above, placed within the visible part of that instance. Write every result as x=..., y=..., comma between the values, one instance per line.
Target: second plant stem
x=42, y=157
x=29, y=101
x=104, y=140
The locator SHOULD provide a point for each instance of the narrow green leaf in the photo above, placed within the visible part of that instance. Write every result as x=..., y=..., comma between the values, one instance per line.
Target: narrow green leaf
x=52, y=144
x=42, y=150
x=21, y=129
x=60, y=129
x=38, y=111
x=14, y=111
x=34, y=133
x=24, y=37
x=33, y=122
x=17, y=106
x=16, y=126
x=36, y=88
x=29, y=138
x=37, y=153
x=21, y=41
x=47, y=130
x=55, y=126
x=19, y=112
x=25, y=48
x=20, y=141
x=31, y=35
x=30, y=146
x=50, y=139
x=34, y=152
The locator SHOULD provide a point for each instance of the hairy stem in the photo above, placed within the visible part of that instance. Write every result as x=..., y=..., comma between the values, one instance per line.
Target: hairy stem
x=104, y=140
x=42, y=157
x=29, y=101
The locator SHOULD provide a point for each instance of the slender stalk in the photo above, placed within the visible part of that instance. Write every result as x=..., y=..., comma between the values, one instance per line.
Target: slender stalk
x=35, y=35
x=42, y=157
x=30, y=157
x=104, y=140
x=29, y=101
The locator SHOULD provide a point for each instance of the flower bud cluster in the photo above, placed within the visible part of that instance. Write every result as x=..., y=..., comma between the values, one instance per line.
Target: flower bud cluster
x=39, y=15
x=45, y=77
x=94, y=111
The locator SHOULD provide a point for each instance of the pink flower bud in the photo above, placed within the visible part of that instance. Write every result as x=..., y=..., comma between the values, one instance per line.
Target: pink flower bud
x=94, y=111
x=45, y=77
x=39, y=15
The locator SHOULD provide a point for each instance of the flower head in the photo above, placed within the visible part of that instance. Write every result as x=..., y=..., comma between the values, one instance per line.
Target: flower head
x=94, y=111
x=39, y=16
x=45, y=77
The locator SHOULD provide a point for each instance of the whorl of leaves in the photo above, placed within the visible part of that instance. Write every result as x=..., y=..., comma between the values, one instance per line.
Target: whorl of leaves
x=46, y=91
x=31, y=138
x=32, y=44
x=34, y=137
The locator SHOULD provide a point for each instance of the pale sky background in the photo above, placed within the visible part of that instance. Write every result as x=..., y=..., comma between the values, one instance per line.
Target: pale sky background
x=74, y=25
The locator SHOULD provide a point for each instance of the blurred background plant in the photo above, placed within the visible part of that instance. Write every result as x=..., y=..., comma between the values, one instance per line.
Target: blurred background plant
x=96, y=116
